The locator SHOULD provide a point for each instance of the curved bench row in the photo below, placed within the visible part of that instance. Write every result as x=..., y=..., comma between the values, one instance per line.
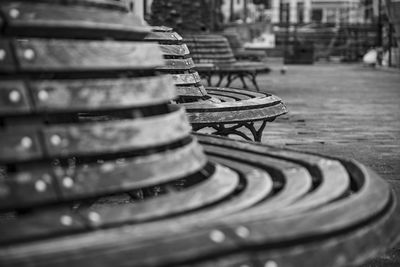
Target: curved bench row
x=226, y=110
x=94, y=173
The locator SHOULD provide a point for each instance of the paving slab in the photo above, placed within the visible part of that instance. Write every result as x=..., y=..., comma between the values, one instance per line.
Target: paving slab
x=349, y=111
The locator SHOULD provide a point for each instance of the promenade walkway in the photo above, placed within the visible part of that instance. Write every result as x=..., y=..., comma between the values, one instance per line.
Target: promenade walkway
x=344, y=110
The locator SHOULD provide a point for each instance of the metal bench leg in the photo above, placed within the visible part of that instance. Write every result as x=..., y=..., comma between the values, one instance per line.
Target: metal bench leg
x=241, y=76
x=229, y=80
x=253, y=79
x=257, y=134
x=221, y=78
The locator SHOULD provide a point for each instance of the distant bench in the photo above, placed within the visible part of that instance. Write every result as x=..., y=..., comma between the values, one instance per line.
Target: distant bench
x=240, y=52
x=226, y=110
x=215, y=49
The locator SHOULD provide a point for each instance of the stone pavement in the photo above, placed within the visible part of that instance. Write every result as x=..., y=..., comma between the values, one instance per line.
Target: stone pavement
x=346, y=110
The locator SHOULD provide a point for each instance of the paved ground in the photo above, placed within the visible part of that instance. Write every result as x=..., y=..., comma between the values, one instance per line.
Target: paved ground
x=345, y=110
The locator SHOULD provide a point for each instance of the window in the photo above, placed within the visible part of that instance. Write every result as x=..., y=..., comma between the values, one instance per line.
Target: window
x=316, y=15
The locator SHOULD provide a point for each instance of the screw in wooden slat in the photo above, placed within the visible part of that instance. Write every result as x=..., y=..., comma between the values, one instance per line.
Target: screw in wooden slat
x=242, y=231
x=26, y=142
x=67, y=182
x=14, y=13
x=94, y=217
x=40, y=186
x=14, y=96
x=55, y=140
x=43, y=95
x=217, y=236
x=66, y=220
x=29, y=54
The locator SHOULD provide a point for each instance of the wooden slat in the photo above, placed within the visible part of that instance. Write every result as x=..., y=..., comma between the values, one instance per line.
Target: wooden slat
x=63, y=55
x=101, y=94
x=43, y=20
x=196, y=91
x=14, y=98
x=115, y=136
x=239, y=111
x=172, y=65
x=46, y=184
x=161, y=29
x=296, y=179
x=56, y=220
x=163, y=36
x=219, y=186
x=182, y=79
x=256, y=185
x=120, y=5
x=175, y=50
x=28, y=188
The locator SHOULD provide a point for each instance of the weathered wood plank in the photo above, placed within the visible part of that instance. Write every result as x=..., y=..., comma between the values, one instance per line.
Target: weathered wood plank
x=115, y=136
x=196, y=91
x=182, y=79
x=58, y=220
x=68, y=55
x=177, y=64
x=216, y=114
x=101, y=94
x=220, y=185
x=46, y=184
x=27, y=188
x=44, y=19
x=175, y=50
x=163, y=37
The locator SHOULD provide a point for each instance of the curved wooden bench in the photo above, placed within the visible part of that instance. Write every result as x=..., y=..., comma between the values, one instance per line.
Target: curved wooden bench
x=100, y=197
x=282, y=224
x=226, y=110
x=215, y=49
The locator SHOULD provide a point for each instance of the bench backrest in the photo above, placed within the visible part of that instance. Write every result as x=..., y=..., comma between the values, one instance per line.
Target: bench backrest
x=210, y=48
x=82, y=106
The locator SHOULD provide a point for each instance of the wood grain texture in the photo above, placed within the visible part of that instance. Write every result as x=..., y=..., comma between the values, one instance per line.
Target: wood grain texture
x=56, y=20
x=196, y=91
x=182, y=79
x=75, y=55
x=115, y=136
x=365, y=216
x=175, y=50
x=163, y=37
x=101, y=94
x=172, y=65
x=219, y=186
x=45, y=183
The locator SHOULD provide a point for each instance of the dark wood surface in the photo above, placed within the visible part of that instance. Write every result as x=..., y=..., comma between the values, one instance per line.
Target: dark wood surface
x=35, y=55
x=44, y=19
x=286, y=234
